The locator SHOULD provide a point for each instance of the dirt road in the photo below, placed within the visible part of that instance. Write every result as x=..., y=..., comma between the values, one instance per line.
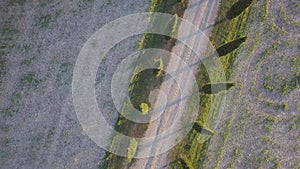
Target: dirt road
x=201, y=13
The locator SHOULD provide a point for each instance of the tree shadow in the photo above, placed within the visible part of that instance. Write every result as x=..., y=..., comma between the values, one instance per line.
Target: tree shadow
x=230, y=46
x=216, y=88
x=197, y=3
x=238, y=8
x=235, y=10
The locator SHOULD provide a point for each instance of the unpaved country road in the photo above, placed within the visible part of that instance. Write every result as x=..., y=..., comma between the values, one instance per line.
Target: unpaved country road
x=202, y=13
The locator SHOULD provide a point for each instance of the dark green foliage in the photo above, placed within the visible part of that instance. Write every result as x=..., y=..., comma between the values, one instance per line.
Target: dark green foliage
x=238, y=8
x=216, y=88
x=153, y=41
x=45, y=21
x=202, y=129
x=230, y=46
x=29, y=79
x=171, y=7
x=104, y=165
x=3, y=70
x=185, y=162
x=16, y=2
x=8, y=32
x=144, y=82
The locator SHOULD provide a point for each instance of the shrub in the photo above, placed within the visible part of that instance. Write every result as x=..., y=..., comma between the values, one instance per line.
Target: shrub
x=271, y=119
x=285, y=107
x=186, y=162
x=131, y=149
x=115, y=143
x=174, y=28
x=237, y=153
x=145, y=108
x=201, y=128
x=160, y=68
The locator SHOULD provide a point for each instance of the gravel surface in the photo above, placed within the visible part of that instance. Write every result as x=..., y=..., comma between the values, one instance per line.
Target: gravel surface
x=40, y=41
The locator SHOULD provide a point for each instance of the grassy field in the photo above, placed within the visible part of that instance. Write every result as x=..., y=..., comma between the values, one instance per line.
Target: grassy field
x=263, y=108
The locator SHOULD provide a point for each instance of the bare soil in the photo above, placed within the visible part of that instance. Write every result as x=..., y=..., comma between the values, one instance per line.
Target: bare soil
x=40, y=41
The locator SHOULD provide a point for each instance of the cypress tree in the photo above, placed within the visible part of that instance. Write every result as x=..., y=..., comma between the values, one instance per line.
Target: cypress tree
x=185, y=162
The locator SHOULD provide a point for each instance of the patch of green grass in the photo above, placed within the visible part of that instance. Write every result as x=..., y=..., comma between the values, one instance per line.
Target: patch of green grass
x=44, y=21
x=276, y=165
x=160, y=68
x=13, y=108
x=282, y=106
x=26, y=62
x=29, y=79
x=8, y=32
x=290, y=42
x=292, y=127
x=265, y=12
x=61, y=78
x=15, y=98
x=290, y=85
x=264, y=55
x=268, y=87
x=282, y=13
x=58, y=14
x=4, y=127
x=267, y=139
x=271, y=119
x=268, y=124
x=16, y=2
x=236, y=154
x=280, y=84
x=3, y=70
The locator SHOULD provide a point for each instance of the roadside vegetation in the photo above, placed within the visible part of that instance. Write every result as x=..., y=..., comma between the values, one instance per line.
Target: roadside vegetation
x=143, y=82
x=194, y=150
x=227, y=36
